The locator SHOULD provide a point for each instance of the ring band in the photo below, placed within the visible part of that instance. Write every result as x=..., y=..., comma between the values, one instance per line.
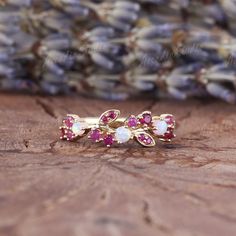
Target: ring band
x=110, y=128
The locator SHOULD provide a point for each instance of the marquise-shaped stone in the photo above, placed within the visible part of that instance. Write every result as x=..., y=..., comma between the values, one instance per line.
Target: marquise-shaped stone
x=145, y=139
x=109, y=116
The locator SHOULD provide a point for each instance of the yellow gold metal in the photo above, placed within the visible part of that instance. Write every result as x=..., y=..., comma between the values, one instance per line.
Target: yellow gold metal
x=108, y=123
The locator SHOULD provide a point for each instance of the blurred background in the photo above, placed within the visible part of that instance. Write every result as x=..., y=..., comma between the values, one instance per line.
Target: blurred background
x=119, y=49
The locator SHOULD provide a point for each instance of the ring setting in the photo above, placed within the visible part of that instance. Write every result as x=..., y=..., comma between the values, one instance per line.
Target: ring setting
x=110, y=128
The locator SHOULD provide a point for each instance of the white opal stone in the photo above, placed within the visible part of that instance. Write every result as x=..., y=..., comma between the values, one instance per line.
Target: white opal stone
x=161, y=127
x=123, y=134
x=77, y=128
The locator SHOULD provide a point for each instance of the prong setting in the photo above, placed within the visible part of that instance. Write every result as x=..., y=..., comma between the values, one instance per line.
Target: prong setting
x=110, y=129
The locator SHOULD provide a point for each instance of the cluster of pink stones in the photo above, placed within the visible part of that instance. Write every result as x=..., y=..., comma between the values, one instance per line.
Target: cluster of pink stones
x=145, y=139
x=96, y=135
x=66, y=133
x=145, y=119
x=108, y=117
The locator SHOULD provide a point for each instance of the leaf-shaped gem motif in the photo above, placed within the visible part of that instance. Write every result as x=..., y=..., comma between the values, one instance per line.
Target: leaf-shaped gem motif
x=108, y=117
x=145, y=139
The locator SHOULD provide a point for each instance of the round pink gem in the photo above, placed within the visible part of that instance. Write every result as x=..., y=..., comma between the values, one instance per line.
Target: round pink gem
x=68, y=121
x=108, y=140
x=142, y=121
x=132, y=122
x=95, y=135
x=69, y=135
x=147, y=118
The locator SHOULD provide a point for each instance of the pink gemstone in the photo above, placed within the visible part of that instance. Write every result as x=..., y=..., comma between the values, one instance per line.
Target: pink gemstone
x=112, y=114
x=169, y=134
x=105, y=119
x=108, y=140
x=147, y=118
x=95, y=135
x=170, y=120
x=142, y=137
x=68, y=121
x=145, y=139
x=69, y=135
x=142, y=121
x=132, y=122
x=148, y=140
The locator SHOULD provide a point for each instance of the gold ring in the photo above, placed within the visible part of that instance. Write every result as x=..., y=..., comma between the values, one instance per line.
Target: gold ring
x=110, y=128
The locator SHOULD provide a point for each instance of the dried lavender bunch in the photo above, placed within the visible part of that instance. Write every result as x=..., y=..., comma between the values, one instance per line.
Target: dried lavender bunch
x=117, y=49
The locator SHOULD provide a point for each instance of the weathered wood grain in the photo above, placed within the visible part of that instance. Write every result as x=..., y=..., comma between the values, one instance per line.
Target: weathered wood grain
x=50, y=187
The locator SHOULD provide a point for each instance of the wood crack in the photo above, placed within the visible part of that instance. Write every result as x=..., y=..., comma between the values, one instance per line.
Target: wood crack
x=47, y=108
x=140, y=176
x=152, y=222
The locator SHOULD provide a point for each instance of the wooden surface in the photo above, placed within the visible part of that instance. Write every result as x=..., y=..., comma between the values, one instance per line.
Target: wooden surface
x=54, y=188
